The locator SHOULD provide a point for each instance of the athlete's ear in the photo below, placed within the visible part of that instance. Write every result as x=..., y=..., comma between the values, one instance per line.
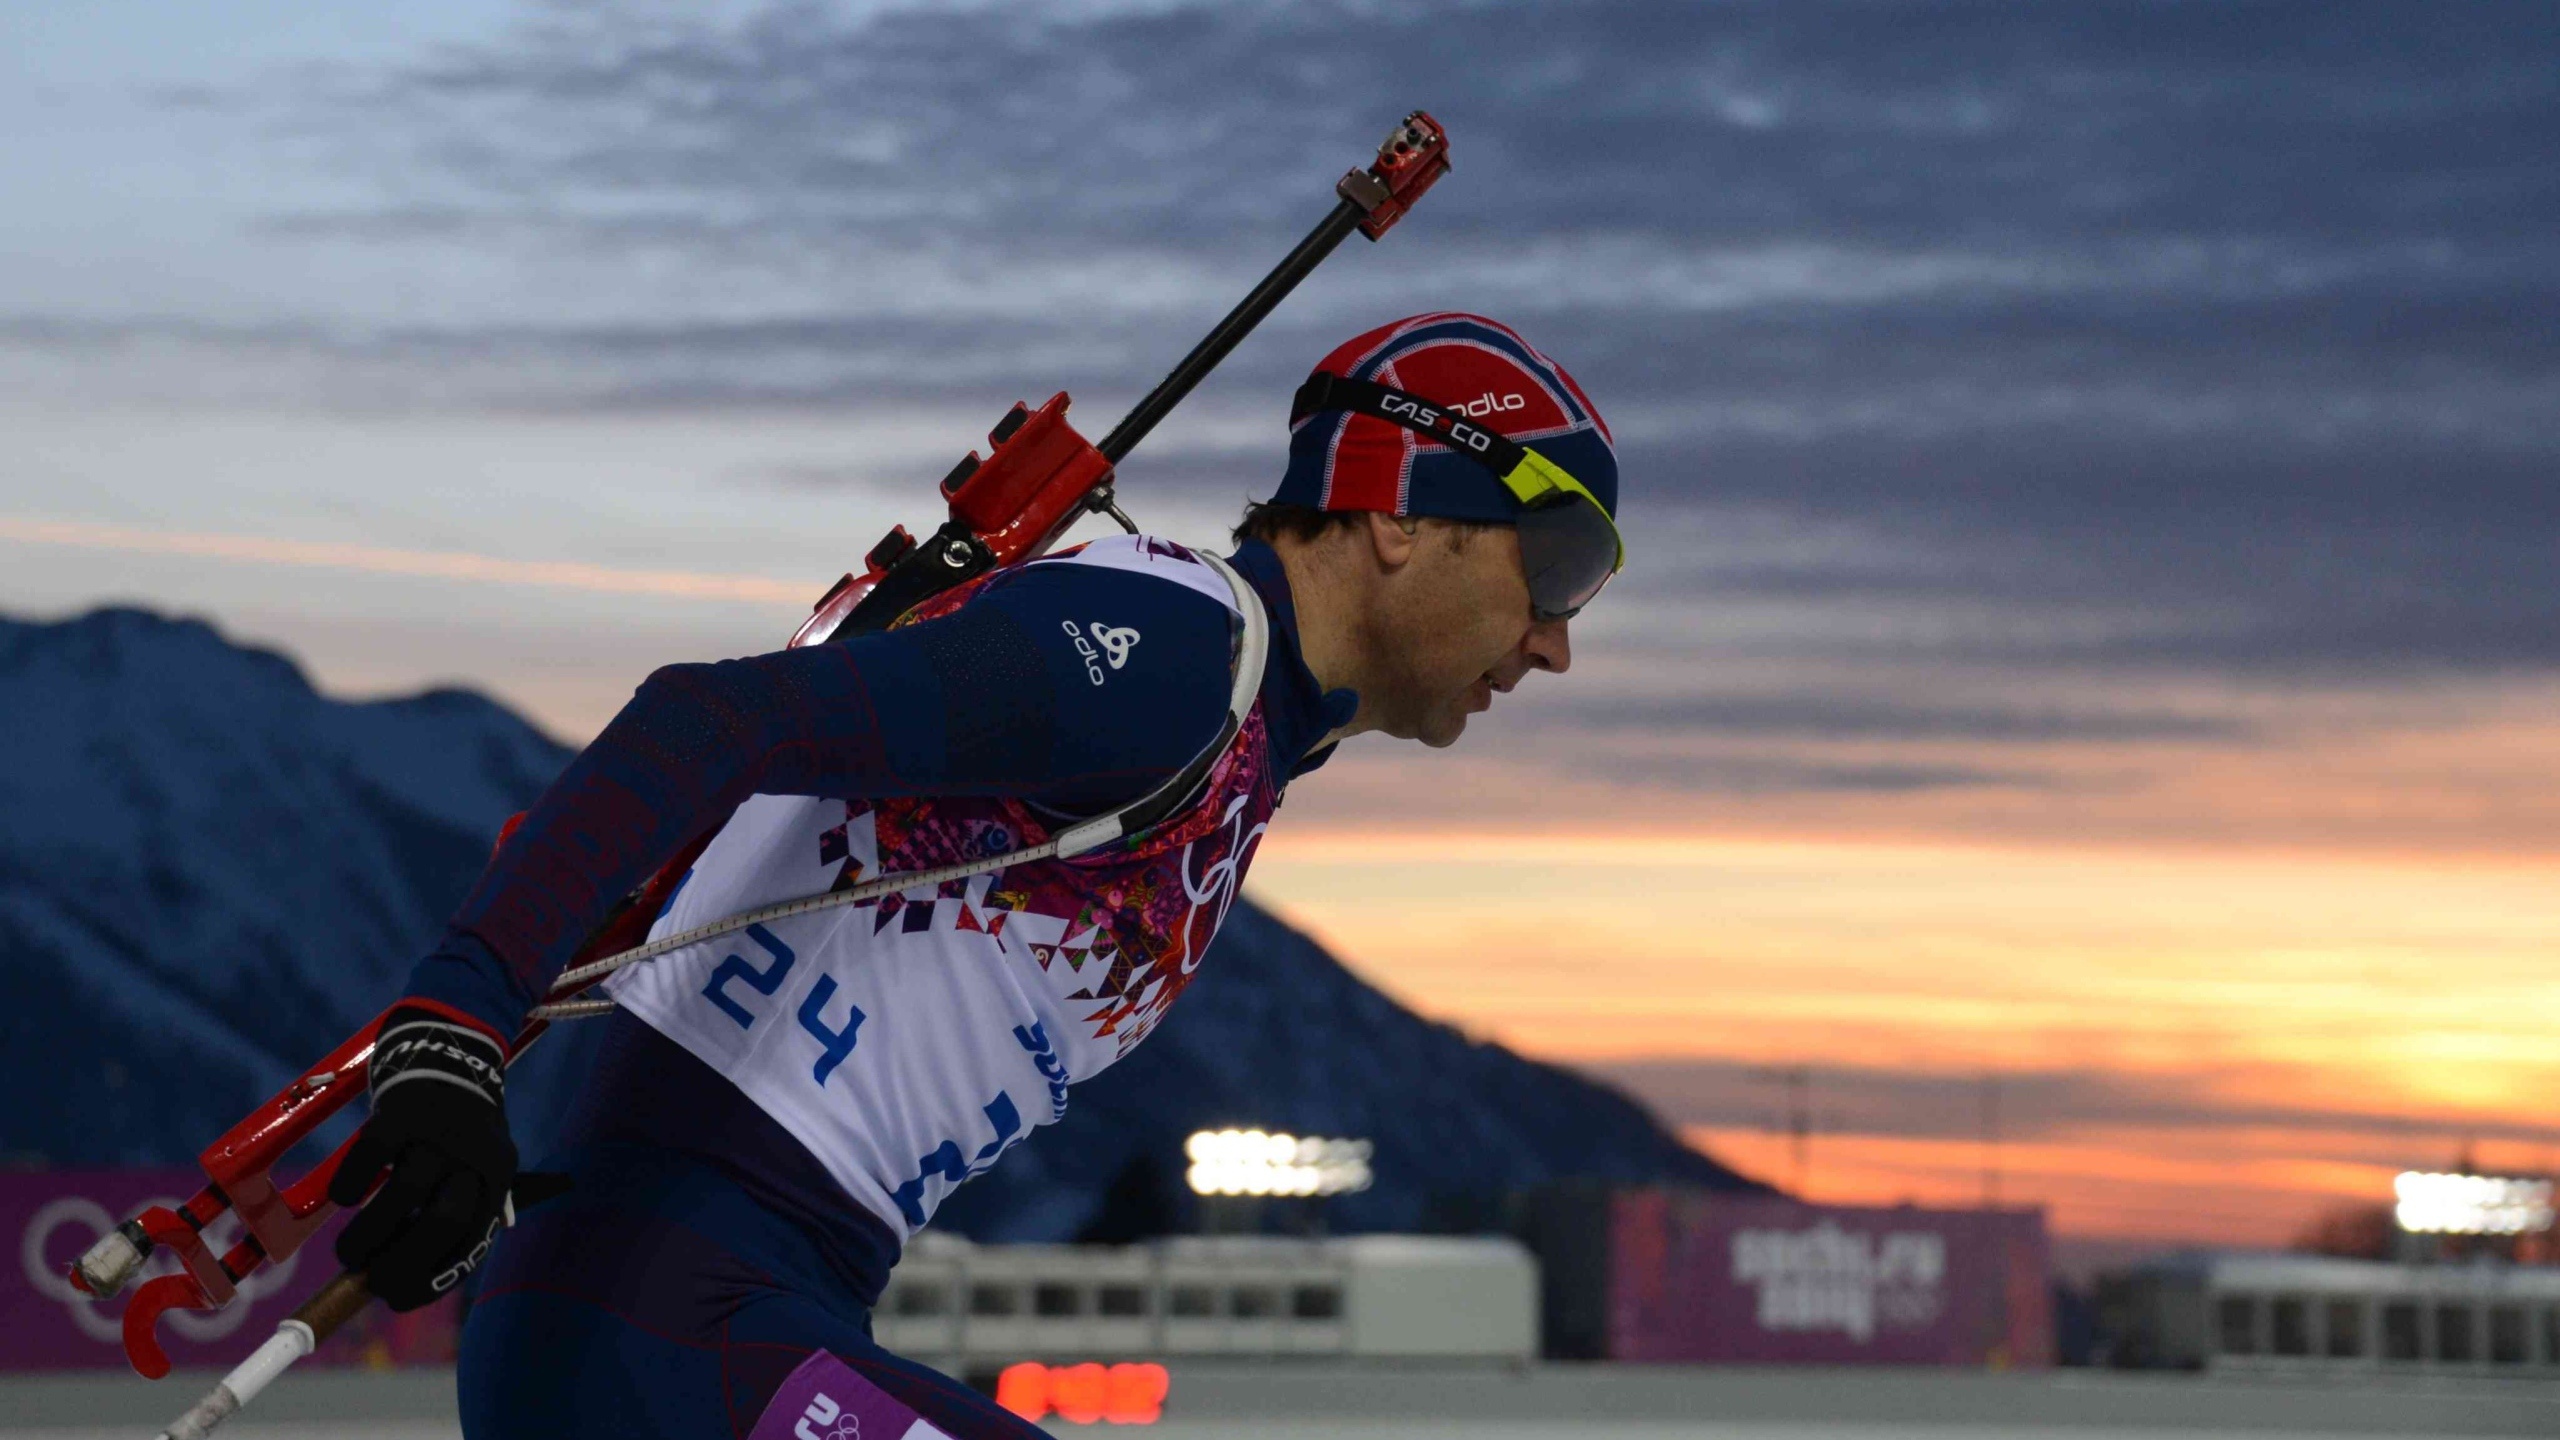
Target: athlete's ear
x=1392, y=538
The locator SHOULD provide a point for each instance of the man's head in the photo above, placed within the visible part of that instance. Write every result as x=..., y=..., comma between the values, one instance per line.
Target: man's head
x=1425, y=456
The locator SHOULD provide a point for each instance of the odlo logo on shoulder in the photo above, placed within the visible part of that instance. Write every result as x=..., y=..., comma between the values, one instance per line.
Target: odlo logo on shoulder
x=1115, y=642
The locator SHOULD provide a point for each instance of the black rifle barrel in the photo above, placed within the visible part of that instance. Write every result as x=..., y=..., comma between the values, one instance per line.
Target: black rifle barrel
x=1204, y=357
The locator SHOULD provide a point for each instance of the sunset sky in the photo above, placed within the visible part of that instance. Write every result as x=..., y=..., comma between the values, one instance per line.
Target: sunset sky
x=2090, y=655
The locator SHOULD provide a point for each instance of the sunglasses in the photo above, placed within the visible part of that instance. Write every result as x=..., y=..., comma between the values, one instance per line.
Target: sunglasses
x=1569, y=547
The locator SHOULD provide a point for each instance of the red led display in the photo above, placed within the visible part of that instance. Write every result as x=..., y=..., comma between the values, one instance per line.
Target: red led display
x=1122, y=1394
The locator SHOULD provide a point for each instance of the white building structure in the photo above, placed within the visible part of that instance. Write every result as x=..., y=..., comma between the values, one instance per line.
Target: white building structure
x=2312, y=1314
x=1366, y=1297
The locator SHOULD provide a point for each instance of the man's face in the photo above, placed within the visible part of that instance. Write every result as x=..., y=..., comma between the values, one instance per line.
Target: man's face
x=1455, y=631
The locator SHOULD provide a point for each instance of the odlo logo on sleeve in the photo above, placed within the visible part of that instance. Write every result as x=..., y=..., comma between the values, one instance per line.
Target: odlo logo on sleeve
x=1115, y=643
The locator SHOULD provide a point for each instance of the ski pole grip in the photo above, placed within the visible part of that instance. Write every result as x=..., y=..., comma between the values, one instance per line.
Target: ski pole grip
x=334, y=1304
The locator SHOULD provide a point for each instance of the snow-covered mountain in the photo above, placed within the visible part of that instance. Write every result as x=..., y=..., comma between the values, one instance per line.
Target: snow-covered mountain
x=209, y=873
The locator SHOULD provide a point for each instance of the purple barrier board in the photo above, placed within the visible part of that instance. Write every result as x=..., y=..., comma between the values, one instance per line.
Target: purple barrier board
x=1698, y=1277
x=46, y=1325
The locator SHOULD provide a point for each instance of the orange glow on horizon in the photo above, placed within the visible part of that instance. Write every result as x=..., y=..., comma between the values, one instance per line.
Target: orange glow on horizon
x=429, y=564
x=2246, y=1188
x=2392, y=1008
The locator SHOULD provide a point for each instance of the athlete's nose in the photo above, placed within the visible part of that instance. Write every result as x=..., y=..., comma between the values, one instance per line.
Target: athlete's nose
x=1547, y=646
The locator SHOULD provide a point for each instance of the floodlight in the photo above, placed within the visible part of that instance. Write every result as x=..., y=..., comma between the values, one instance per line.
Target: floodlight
x=1261, y=1162
x=2448, y=1204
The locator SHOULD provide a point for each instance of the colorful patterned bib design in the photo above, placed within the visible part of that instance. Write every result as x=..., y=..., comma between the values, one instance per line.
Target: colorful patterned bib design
x=909, y=1041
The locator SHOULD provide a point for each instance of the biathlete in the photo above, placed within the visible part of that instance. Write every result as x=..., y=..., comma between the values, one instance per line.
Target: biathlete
x=776, y=1111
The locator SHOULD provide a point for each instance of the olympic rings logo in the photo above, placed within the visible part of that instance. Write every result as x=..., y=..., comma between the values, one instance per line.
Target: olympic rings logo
x=1215, y=892
x=91, y=1221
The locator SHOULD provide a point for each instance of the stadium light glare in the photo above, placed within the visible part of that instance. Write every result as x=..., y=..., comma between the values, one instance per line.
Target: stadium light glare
x=2432, y=1203
x=1259, y=1162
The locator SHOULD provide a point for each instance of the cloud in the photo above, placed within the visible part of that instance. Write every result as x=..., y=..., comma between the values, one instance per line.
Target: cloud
x=1815, y=715
x=1166, y=123
x=1751, y=774
x=2045, y=1104
x=2132, y=339
x=380, y=560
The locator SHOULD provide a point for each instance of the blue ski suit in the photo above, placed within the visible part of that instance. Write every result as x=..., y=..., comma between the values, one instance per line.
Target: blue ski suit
x=743, y=1183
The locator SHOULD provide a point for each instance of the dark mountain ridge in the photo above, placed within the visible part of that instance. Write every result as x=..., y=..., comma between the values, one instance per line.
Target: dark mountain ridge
x=210, y=873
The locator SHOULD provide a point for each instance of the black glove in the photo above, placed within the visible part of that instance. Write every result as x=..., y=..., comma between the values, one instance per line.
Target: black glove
x=440, y=1126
